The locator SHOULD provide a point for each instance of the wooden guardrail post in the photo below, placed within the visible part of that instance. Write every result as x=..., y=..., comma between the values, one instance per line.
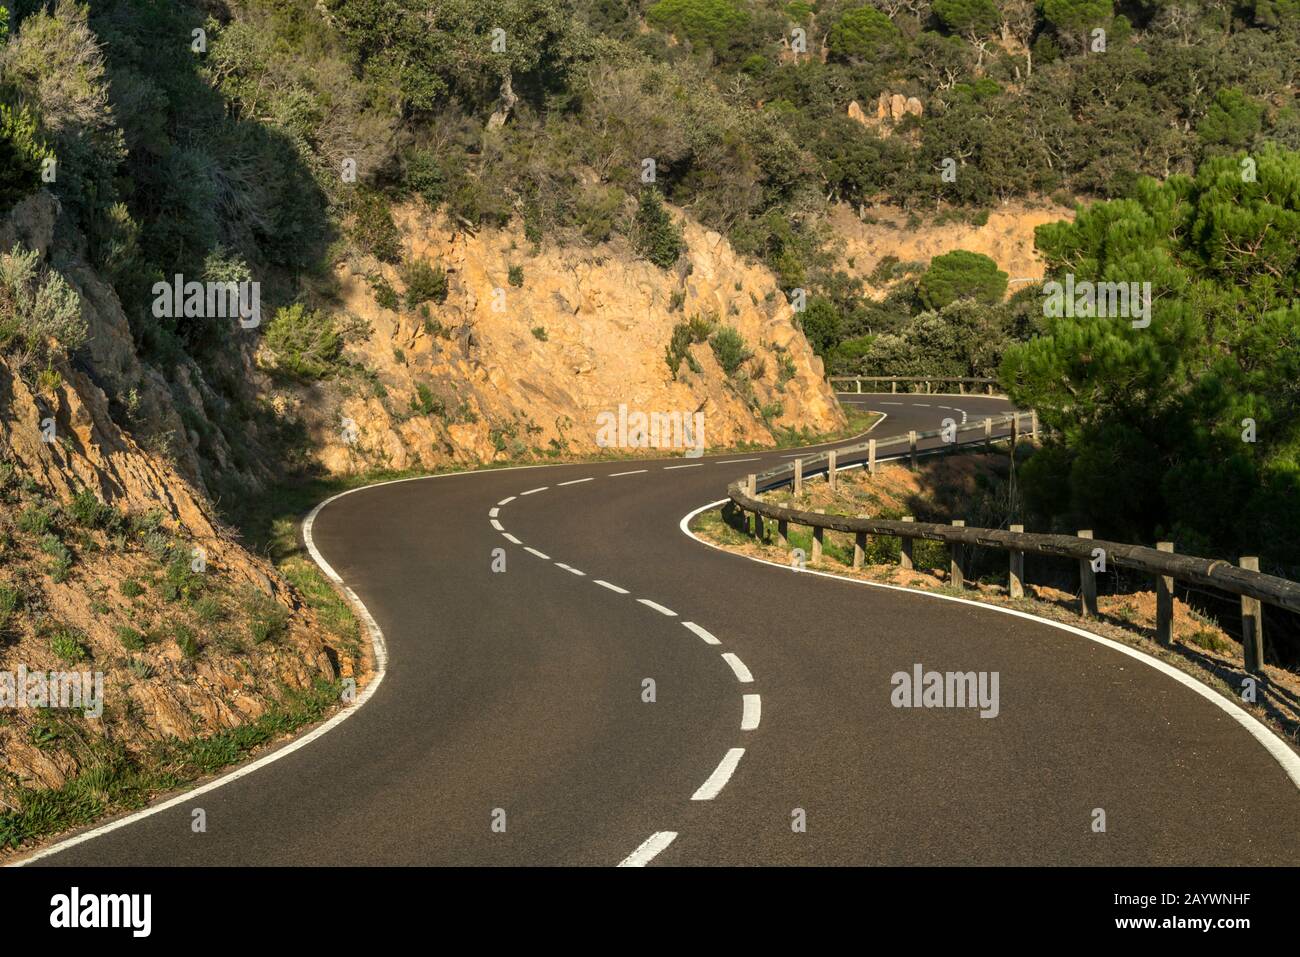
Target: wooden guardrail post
x=1033, y=426
x=1087, y=583
x=1015, y=430
x=871, y=456
x=988, y=435
x=859, y=548
x=893, y=386
x=1165, y=602
x=905, y=549
x=798, y=476
x=783, y=533
x=751, y=485
x=957, y=559
x=858, y=383
x=1252, y=624
x=830, y=469
x=1016, y=576
x=911, y=449
x=819, y=533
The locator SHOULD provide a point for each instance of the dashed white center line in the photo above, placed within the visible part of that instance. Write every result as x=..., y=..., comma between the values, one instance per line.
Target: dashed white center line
x=720, y=776
x=577, y=481
x=649, y=849
x=506, y=501
x=510, y=538
x=533, y=491
x=669, y=468
x=498, y=526
x=738, y=666
x=921, y=405
x=658, y=607
x=570, y=569
x=634, y=472
x=734, y=461
x=534, y=551
x=753, y=713
x=494, y=513
x=891, y=403
x=691, y=626
x=613, y=588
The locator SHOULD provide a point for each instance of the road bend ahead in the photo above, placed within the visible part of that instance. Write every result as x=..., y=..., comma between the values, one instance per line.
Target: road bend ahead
x=522, y=692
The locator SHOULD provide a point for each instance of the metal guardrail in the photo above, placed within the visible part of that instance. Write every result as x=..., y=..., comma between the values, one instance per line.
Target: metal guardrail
x=1244, y=580
x=895, y=380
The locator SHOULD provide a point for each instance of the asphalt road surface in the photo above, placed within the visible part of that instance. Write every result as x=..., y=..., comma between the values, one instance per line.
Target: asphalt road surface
x=516, y=697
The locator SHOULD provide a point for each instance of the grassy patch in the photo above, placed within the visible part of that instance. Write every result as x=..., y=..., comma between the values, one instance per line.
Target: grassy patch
x=112, y=780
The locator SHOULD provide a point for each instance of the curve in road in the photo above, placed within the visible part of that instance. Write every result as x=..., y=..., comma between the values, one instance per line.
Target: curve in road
x=512, y=725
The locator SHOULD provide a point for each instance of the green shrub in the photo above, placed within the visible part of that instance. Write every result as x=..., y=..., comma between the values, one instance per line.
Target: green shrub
x=654, y=235
x=68, y=645
x=515, y=276
x=10, y=599
x=35, y=520
x=130, y=639
x=37, y=307
x=267, y=619
x=304, y=343
x=180, y=582
x=424, y=283
x=89, y=512
x=22, y=153
x=374, y=231
x=539, y=333
x=131, y=588
x=729, y=349
x=426, y=403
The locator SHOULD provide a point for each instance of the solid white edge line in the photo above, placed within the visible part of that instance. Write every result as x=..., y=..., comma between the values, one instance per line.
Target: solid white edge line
x=614, y=588
x=669, y=468
x=742, y=673
x=380, y=649
x=649, y=849
x=720, y=776
x=1274, y=745
x=634, y=472
x=534, y=491
x=753, y=712
x=574, y=482
x=533, y=551
x=658, y=607
x=510, y=538
x=734, y=461
x=708, y=638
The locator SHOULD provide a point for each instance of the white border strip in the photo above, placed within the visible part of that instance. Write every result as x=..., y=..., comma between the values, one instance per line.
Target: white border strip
x=1274, y=745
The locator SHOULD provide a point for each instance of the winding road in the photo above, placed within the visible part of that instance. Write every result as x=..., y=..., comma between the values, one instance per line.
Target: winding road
x=510, y=726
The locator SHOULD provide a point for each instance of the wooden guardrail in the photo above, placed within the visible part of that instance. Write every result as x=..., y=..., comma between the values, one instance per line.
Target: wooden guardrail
x=975, y=383
x=1243, y=580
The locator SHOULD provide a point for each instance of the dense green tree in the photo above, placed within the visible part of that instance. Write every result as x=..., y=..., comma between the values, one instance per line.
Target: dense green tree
x=865, y=35
x=961, y=275
x=1153, y=421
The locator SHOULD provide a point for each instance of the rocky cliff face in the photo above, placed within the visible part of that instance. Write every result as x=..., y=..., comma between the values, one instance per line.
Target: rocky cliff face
x=1007, y=237
x=521, y=367
x=113, y=562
